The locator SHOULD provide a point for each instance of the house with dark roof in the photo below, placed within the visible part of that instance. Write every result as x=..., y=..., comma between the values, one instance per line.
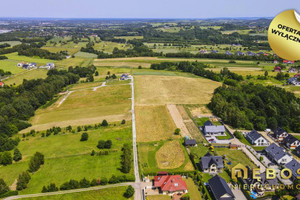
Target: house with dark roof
x=293, y=81
x=239, y=53
x=211, y=164
x=214, y=51
x=280, y=134
x=257, y=139
x=124, y=77
x=228, y=53
x=251, y=53
x=260, y=186
x=170, y=184
x=291, y=142
x=190, y=142
x=294, y=165
x=208, y=123
x=298, y=150
x=277, y=154
x=220, y=189
x=292, y=70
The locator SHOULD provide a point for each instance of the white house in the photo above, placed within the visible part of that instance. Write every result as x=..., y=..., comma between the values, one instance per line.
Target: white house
x=257, y=139
x=291, y=142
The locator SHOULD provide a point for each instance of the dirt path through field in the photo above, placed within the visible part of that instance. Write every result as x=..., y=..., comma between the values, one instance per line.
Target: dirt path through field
x=14, y=185
x=178, y=120
x=67, y=95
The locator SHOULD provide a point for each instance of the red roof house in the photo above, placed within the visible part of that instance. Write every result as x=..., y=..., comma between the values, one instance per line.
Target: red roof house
x=277, y=69
x=1, y=84
x=297, y=75
x=170, y=184
x=288, y=61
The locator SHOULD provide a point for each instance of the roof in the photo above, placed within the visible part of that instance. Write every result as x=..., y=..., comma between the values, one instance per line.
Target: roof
x=275, y=151
x=1, y=83
x=208, y=123
x=293, y=166
x=208, y=160
x=171, y=183
x=220, y=188
x=214, y=129
x=263, y=181
x=277, y=67
x=254, y=135
x=298, y=148
x=190, y=142
x=297, y=75
x=290, y=139
x=278, y=131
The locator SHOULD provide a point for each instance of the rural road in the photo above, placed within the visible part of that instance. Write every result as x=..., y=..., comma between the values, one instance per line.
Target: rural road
x=138, y=189
x=70, y=191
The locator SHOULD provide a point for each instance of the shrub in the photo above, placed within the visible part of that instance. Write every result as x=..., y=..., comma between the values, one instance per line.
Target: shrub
x=177, y=131
x=23, y=180
x=129, y=192
x=123, y=121
x=36, y=161
x=17, y=155
x=3, y=187
x=84, y=137
x=104, y=123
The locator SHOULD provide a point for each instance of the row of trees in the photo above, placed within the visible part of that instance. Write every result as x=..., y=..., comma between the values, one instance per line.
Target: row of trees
x=4, y=73
x=84, y=183
x=255, y=106
x=198, y=69
x=36, y=161
x=23, y=181
x=102, y=144
x=126, y=158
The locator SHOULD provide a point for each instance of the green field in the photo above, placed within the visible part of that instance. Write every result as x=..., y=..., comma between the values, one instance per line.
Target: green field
x=12, y=43
x=28, y=74
x=108, y=47
x=67, y=158
x=11, y=66
x=86, y=106
x=103, y=194
x=148, y=158
x=85, y=55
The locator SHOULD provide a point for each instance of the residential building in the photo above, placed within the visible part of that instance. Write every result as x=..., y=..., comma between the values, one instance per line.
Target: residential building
x=124, y=77
x=298, y=150
x=288, y=62
x=239, y=53
x=257, y=139
x=228, y=53
x=251, y=53
x=292, y=70
x=190, y=142
x=291, y=142
x=220, y=189
x=1, y=84
x=277, y=154
x=280, y=134
x=214, y=130
x=170, y=184
x=277, y=69
x=207, y=123
x=293, y=166
x=293, y=81
x=214, y=51
x=211, y=164
x=260, y=186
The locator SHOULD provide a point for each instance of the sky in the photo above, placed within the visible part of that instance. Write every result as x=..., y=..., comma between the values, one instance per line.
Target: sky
x=145, y=8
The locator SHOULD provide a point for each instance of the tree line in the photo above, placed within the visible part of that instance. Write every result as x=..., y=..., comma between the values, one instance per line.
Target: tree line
x=198, y=69
x=17, y=104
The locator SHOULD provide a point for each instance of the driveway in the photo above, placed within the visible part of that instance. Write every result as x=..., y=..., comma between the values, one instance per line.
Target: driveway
x=237, y=193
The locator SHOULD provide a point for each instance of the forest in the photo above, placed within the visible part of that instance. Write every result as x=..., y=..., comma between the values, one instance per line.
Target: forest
x=257, y=107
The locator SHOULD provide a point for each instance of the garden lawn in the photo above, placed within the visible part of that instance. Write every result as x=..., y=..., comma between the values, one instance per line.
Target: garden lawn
x=153, y=152
x=103, y=194
x=235, y=157
x=193, y=189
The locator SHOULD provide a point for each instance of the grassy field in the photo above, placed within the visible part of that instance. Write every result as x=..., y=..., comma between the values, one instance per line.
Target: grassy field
x=68, y=158
x=103, y=194
x=153, y=123
x=11, y=43
x=85, y=55
x=151, y=153
x=28, y=74
x=173, y=90
x=108, y=47
x=130, y=37
x=193, y=189
x=235, y=157
x=10, y=65
x=86, y=107
x=170, y=155
x=81, y=62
